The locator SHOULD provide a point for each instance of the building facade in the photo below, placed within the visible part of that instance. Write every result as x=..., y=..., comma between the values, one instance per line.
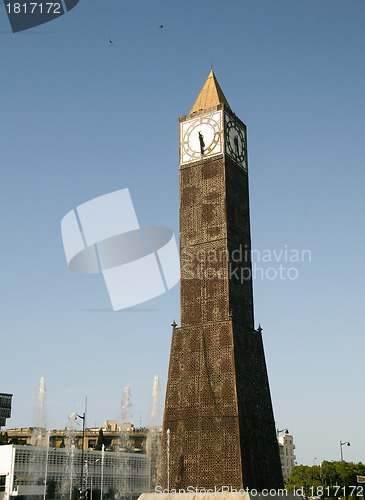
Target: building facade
x=287, y=457
x=218, y=423
x=5, y=407
x=116, y=437
x=32, y=471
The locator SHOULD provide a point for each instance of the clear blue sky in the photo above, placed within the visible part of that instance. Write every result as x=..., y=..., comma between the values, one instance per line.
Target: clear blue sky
x=81, y=117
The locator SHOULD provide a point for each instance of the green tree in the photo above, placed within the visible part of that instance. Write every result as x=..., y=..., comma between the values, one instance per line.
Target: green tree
x=75, y=493
x=96, y=494
x=16, y=440
x=110, y=495
x=4, y=438
x=51, y=488
x=100, y=440
x=342, y=474
x=306, y=477
x=330, y=480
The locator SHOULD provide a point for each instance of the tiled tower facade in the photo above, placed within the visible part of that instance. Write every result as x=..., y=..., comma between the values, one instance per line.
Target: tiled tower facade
x=218, y=427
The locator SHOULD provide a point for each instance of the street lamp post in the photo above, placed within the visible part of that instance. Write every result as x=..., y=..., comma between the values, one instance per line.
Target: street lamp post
x=102, y=471
x=46, y=469
x=281, y=430
x=91, y=473
x=82, y=452
x=342, y=444
x=314, y=464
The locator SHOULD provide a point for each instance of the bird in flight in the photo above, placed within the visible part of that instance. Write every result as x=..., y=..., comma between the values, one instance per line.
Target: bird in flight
x=110, y=41
x=161, y=26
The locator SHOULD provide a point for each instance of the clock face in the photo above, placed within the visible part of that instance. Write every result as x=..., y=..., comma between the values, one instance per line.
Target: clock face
x=235, y=141
x=201, y=137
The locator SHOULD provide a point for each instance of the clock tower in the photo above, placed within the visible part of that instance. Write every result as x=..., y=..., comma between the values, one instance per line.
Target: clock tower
x=218, y=428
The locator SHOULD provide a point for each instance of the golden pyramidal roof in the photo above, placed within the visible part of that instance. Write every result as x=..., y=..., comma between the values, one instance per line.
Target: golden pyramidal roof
x=210, y=95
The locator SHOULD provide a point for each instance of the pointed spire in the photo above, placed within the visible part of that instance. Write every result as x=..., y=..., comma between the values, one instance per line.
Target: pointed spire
x=210, y=95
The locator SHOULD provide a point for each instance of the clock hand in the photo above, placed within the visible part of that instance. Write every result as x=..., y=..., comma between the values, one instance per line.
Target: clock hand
x=235, y=140
x=202, y=144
